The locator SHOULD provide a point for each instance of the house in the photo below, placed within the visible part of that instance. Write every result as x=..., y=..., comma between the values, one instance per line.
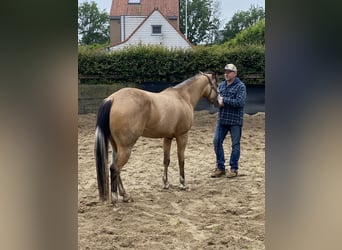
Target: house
x=154, y=22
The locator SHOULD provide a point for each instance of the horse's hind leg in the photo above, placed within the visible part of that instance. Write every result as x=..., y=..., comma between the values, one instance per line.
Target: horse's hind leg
x=181, y=144
x=122, y=192
x=167, y=148
x=121, y=159
x=114, y=184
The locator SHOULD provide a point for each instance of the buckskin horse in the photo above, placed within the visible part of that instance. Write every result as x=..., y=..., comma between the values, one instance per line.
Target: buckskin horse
x=130, y=113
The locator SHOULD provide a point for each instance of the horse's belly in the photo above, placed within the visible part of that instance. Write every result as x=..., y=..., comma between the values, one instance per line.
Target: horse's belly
x=156, y=133
x=166, y=131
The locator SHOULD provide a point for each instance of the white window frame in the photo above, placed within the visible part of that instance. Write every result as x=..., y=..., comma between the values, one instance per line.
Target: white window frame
x=134, y=1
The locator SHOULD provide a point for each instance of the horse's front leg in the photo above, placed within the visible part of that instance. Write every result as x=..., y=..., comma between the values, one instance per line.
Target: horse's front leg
x=167, y=148
x=181, y=144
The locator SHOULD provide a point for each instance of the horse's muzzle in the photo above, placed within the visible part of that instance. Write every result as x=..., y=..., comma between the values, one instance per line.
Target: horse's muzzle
x=215, y=103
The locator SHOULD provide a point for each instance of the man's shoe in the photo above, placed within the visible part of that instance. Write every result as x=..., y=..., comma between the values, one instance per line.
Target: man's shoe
x=232, y=174
x=218, y=173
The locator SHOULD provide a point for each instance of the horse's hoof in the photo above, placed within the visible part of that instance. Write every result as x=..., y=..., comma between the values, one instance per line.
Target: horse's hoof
x=166, y=186
x=127, y=198
x=183, y=187
x=116, y=208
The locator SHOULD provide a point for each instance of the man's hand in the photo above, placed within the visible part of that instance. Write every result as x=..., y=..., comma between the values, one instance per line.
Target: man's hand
x=220, y=100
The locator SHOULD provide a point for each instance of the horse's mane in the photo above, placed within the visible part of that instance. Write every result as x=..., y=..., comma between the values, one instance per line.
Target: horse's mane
x=190, y=80
x=187, y=81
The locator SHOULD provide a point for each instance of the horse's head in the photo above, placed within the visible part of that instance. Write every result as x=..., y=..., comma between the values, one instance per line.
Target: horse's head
x=212, y=92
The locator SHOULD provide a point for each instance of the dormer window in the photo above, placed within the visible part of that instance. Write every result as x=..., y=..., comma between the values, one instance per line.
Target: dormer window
x=156, y=29
x=134, y=1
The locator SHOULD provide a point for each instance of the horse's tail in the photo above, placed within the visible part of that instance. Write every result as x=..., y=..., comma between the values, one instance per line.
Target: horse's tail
x=102, y=134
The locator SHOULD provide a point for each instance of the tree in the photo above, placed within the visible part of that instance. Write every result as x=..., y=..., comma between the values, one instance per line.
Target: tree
x=242, y=20
x=202, y=20
x=93, y=25
x=254, y=34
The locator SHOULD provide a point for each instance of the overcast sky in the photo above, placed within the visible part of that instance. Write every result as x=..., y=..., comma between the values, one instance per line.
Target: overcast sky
x=228, y=7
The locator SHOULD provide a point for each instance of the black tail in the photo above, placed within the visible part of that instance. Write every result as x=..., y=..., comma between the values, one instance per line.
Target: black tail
x=102, y=133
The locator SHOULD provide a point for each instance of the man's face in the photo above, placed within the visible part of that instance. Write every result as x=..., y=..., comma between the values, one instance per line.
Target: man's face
x=228, y=75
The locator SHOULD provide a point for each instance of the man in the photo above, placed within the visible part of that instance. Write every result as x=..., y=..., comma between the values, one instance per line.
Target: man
x=231, y=101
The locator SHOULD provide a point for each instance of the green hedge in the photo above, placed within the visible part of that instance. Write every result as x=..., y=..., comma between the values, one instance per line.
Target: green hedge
x=157, y=64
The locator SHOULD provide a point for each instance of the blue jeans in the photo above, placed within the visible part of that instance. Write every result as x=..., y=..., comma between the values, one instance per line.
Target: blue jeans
x=219, y=136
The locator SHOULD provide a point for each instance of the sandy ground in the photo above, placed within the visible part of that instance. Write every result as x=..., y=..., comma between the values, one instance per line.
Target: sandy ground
x=211, y=214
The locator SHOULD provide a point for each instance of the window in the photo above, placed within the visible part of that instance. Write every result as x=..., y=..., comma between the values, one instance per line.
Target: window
x=156, y=29
x=133, y=1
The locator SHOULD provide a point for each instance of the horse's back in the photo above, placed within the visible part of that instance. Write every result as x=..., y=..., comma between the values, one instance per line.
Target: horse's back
x=139, y=112
x=171, y=115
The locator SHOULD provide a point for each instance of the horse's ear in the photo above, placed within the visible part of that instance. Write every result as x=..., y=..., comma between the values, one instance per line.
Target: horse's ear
x=201, y=72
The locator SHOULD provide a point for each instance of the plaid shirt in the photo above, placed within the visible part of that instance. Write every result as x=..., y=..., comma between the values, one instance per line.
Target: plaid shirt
x=234, y=96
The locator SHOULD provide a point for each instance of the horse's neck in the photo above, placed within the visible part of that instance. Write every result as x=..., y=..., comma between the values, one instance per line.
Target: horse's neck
x=194, y=90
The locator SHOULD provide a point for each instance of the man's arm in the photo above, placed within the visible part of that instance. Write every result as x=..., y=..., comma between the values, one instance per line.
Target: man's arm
x=240, y=99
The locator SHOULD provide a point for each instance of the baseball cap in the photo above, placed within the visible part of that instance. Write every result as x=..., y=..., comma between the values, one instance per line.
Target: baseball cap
x=230, y=67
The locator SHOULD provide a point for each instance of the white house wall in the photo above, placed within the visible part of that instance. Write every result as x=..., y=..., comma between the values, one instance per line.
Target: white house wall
x=129, y=24
x=169, y=36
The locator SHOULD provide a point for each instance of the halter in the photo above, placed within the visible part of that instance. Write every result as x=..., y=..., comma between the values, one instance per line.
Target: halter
x=211, y=85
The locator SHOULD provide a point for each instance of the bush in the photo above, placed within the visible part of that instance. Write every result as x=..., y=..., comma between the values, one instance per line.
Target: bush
x=145, y=63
